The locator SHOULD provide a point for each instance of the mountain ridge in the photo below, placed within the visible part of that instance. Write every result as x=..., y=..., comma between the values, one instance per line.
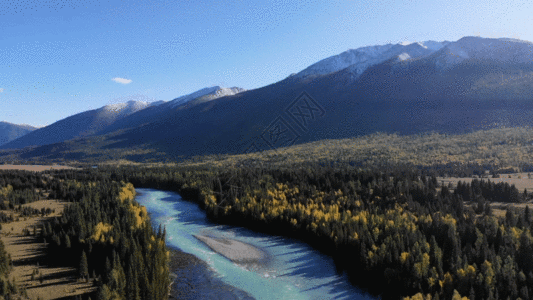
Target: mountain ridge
x=80, y=124
x=453, y=89
x=10, y=131
x=359, y=59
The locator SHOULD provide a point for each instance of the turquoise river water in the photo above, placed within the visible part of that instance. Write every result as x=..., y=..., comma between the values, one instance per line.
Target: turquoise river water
x=293, y=269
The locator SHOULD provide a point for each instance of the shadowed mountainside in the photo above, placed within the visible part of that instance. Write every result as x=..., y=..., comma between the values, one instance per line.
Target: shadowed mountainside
x=9, y=131
x=474, y=83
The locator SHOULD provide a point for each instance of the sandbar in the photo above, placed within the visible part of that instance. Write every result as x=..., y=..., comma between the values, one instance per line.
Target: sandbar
x=233, y=250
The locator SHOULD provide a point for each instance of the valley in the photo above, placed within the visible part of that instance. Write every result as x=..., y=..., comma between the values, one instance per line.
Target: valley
x=394, y=162
x=341, y=197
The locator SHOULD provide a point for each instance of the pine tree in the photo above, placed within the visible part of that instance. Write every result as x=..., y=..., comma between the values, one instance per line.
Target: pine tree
x=84, y=266
x=67, y=242
x=132, y=288
x=4, y=260
x=472, y=294
x=103, y=293
x=107, y=270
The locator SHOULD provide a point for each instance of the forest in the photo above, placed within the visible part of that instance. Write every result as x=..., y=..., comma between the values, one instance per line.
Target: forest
x=103, y=232
x=399, y=227
x=382, y=216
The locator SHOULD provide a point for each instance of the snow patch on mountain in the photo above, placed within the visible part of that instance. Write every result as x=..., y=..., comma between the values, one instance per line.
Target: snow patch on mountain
x=487, y=49
x=358, y=60
x=229, y=91
x=186, y=98
x=404, y=56
x=127, y=108
x=112, y=112
x=208, y=93
x=433, y=45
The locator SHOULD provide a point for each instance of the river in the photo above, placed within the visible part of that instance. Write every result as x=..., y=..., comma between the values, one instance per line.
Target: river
x=293, y=269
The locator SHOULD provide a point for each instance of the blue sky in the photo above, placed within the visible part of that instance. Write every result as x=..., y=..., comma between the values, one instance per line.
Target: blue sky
x=59, y=58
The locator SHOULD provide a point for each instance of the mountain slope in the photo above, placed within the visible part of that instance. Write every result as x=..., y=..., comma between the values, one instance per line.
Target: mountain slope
x=82, y=124
x=9, y=131
x=361, y=58
x=411, y=92
x=152, y=114
x=397, y=95
x=209, y=93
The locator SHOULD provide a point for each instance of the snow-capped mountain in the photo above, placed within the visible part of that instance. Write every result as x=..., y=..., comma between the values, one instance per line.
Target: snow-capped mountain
x=169, y=109
x=447, y=87
x=82, y=124
x=503, y=50
x=406, y=93
x=358, y=60
x=130, y=106
x=120, y=110
x=209, y=93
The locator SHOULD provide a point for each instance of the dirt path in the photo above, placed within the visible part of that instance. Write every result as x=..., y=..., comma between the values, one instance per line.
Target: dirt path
x=26, y=253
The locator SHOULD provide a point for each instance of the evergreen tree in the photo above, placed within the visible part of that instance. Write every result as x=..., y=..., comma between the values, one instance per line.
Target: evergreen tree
x=84, y=266
x=5, y=262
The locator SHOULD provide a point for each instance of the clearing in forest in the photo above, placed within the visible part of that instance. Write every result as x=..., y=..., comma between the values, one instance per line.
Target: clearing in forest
x=28, y=256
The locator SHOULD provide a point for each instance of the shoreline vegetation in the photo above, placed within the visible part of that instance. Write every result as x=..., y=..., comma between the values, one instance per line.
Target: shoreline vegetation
x=193, y=279
x=394, y=227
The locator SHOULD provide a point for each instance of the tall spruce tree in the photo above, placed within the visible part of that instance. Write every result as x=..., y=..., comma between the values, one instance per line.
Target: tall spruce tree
x=84, y=266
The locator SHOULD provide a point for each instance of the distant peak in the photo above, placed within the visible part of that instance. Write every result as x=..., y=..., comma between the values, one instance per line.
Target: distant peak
x=213, y=92
x=20, y=125
x=125, y=108
x=356, y=61
x=502, y=39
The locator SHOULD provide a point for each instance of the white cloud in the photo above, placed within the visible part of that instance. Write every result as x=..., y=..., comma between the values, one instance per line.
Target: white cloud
x=1, y=90
x=121, y=80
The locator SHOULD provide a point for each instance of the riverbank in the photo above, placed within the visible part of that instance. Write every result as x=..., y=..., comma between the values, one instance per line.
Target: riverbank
x=193, y=279
x=293, y=269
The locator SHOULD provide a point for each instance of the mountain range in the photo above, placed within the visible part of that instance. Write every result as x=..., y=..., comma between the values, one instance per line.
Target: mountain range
x=449, y=87
x=82, y=124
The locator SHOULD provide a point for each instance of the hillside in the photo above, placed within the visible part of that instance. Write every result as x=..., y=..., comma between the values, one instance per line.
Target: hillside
x=450, y=88
x=9, y=131
x=79, y=125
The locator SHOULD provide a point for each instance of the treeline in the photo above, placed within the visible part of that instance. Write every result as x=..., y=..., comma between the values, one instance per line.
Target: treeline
x=395, y=233
x=490, y=191
x=103, y=232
